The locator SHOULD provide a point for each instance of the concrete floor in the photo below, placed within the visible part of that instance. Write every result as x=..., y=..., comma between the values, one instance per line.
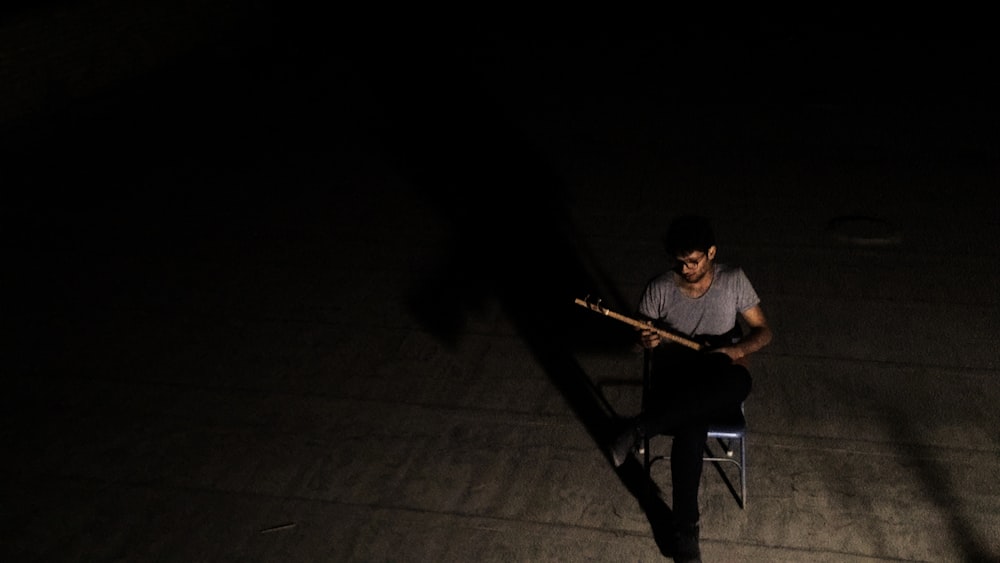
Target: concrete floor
x=363, y=347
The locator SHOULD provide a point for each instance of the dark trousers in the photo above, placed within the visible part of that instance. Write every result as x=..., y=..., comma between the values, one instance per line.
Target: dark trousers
x=688, y=390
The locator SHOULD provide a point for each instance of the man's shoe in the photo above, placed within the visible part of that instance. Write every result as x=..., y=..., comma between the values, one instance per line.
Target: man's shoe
x=623, y=445
x=686, y=548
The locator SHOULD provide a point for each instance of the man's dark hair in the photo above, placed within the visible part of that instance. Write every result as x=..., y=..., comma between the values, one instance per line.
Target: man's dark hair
x=687, y=234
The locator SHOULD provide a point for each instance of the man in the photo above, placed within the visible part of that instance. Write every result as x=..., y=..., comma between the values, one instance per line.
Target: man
x=703, y=301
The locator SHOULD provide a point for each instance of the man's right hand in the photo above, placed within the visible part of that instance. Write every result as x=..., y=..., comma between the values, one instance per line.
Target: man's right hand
x=649, y=337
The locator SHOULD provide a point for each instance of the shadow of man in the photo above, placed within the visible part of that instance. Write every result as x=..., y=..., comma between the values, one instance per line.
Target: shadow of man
x=511, y=232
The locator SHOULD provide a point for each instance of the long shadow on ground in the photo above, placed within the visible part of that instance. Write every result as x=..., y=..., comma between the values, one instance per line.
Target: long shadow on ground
x=512, y=236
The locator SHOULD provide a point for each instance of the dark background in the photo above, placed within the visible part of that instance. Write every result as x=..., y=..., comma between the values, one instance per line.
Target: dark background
x=201, y=209
x=134, y=133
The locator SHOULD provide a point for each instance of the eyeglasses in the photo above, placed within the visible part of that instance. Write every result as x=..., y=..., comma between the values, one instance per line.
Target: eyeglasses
x=691, y=263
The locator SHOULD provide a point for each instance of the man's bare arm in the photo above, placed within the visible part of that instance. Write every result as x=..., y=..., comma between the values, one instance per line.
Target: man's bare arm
x=759, y=336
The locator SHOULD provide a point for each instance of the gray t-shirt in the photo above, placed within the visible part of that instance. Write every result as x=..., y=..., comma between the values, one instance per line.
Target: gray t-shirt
x=713, y=313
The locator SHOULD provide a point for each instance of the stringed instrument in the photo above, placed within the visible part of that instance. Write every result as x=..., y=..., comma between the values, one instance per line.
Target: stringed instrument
x=708, y=341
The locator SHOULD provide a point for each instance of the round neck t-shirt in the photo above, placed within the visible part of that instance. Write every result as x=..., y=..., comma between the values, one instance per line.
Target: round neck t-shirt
x=713, y=313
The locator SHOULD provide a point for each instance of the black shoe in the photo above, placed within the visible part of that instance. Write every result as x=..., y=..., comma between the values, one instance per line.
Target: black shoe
x=686, y=548
x=624, y=444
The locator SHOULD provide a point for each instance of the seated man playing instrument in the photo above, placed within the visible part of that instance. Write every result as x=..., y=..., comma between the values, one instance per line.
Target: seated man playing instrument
x=704, y=301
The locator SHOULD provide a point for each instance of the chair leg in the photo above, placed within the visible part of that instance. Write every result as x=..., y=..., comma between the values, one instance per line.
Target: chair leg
x=743, y=472
x=646, y=465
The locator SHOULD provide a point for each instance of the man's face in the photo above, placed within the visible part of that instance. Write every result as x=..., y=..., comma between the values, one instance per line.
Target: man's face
x=694, y=266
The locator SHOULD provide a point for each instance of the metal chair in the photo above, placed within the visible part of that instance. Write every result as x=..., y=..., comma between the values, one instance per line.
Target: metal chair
x=724, y=432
